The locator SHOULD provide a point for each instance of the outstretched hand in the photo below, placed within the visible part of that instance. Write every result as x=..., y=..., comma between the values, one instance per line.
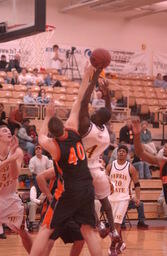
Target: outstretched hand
x=136, y=125
x=104, y=86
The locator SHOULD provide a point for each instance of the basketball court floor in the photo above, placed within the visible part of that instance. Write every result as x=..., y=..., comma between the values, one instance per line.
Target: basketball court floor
x=151, y=242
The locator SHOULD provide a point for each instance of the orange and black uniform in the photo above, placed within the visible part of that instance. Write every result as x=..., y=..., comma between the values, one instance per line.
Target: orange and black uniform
x=77, y=200
x=163, y=174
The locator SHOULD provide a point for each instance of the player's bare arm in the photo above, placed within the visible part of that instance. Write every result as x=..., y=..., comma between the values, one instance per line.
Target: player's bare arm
x=42, y=179
x=104, y=88
x=139, y=148
x=135, y=179
x=72, y=121
x=46, y=142
x=84, y=119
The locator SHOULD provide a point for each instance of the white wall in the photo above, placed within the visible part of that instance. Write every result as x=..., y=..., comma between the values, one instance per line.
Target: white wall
x=107, y=30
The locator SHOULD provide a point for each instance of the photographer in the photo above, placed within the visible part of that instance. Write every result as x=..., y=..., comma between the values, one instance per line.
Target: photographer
x=56, y=62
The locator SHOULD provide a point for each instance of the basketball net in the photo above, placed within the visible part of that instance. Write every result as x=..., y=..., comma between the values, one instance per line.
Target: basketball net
x=33, y=48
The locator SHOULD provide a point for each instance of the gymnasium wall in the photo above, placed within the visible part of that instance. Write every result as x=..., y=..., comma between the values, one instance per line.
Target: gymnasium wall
x=104, y=29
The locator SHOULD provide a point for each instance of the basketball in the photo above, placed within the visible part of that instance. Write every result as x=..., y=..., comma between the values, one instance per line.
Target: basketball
x=100, y=58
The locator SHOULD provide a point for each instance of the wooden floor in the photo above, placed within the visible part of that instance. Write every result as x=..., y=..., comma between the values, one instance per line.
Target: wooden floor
x=152, y=242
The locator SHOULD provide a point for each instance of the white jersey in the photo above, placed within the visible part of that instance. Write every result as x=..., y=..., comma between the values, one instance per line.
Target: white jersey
x=120, y=176
x=95, y=142
x=8, y=185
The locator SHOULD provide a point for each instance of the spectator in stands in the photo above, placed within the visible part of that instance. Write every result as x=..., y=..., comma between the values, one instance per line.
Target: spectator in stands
x=146, y=138
x=158, y=80
x=126, y=133
x=3, y=63
x=24, y=77
x=162, y=206
x=51, y=80
x=2, y=115
x=36, y=200
x=33, y=133
x=28, y=98
x=15, y=119
x=36, y=79
x=42, y=97
x=56, y=62
x=163, y=152
x=113, y=102
x=98, y=102
x=141, y=167
x=15, y=77
x=39, y=162
x=14, y=63
x=164, y=82
x=141, y=218
x=25, y=141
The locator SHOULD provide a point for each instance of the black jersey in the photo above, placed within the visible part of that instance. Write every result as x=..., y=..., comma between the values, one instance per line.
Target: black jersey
x=73, y=162
x=164, y=180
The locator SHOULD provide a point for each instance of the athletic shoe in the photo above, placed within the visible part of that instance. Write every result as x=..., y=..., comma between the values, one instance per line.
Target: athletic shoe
x=142, y=225
x=103, y=230
x=2, y=236
x=112, y=251
x=115, y=236
x=120, y=247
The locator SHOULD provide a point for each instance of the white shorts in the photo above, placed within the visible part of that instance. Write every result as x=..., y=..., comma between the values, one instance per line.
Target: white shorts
x=119, y=209
x=101, y=183
x=11, y=211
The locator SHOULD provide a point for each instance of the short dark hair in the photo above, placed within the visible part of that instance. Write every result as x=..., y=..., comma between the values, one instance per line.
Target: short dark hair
x=123, y=147
x=55, y=46
x=3, y=126
x=104, y=115
x=3, y=56
x=55, y=127
x=25, y=120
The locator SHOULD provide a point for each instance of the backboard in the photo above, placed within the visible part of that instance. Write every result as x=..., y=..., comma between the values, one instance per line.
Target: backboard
x=20, y=18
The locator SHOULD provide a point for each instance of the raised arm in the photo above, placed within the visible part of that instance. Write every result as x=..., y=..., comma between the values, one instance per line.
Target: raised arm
x=73, y=119
x=84, y=119
x=139, y=148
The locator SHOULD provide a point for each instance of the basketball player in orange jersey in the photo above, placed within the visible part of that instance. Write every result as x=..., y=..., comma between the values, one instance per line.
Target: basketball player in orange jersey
x=77, y=200
x=148, y=157
x=95, y=138
x=121, y=172
x=11, y=208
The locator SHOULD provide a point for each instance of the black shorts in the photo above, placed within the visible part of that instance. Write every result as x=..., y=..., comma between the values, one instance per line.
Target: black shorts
x=70, y=233
x=78, y=206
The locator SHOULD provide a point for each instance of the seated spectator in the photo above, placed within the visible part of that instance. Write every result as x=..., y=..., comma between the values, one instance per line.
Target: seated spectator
x=39, y=162
x=42, y=97
x=36, y=79
x=15, y=119
x=98, y=102
x=33, y=133
x=146, y=138
x=25, y=141
x=24, y=77
x=36, y=200
x=2, y=232
x=158, y=82
x=51, y=80
x=164, y=82
x=126, y=133
x=15, y=77
x=162, y=206
x=14, y=63
x=141, y=218
x=163, y=152
x=2, y=115
x=141, y=167
x=28, y=98
x=113, y=102
x=3, y=63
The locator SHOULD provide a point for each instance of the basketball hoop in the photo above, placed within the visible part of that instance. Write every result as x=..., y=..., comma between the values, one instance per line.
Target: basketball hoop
x=49, y=28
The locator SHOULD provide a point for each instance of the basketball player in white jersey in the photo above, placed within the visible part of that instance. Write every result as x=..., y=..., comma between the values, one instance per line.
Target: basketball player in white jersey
x=121, y=172
x=11, y=208
x=95, y=138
